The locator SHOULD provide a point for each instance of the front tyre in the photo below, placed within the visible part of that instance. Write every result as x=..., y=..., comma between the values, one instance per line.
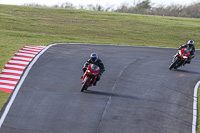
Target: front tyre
x=84, y=85
x=174, y=64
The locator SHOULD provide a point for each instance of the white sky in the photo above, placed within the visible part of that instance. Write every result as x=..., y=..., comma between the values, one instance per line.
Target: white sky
x=94, y=2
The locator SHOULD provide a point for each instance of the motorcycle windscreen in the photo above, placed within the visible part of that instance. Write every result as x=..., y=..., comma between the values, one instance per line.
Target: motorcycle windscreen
x=94, y=67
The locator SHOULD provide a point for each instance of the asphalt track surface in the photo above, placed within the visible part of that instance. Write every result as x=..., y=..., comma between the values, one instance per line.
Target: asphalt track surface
x=136, y=94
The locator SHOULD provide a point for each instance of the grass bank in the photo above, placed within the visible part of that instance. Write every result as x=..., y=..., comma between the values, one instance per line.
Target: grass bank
x=20, y=26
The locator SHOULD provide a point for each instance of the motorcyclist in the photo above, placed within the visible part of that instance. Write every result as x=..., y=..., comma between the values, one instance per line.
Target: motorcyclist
x=94, y=59
x=190, y=46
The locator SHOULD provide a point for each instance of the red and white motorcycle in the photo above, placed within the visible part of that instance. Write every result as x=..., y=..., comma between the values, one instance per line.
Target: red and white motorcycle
x=89, y=76
x=180, y=58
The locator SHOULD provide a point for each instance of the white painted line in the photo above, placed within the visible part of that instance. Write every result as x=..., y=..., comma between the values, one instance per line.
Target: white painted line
x=21, y=58
x=19, y=62
x=7, y=87
x=12, y=71
x=7, y=65
x=7, y=81
x=10, y=76
x=195, y=109
x=25, y=54
x=20, y=84
x=28, y=51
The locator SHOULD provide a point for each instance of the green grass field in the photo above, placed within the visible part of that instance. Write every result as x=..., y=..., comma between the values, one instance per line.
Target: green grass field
x=20, y=26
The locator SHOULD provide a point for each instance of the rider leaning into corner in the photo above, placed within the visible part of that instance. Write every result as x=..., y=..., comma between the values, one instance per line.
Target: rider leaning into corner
x=189, y=46
x=94, y=59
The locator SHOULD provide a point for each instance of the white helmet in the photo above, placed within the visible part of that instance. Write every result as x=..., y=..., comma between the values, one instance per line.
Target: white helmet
x=190, y=42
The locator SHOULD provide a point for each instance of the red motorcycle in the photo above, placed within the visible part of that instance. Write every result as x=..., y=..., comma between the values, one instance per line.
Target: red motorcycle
x=180, y=58
x=89, y=76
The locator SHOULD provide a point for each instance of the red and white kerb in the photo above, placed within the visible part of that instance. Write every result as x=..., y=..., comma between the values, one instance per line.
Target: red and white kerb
x=14, y=68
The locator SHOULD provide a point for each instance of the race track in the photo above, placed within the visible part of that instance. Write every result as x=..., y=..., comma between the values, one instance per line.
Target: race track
x=136, y=94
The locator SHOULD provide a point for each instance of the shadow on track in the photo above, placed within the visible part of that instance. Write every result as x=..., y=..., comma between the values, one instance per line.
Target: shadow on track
x=109, y=94
x=185, y=122
x=135, y=98
x=187, y=71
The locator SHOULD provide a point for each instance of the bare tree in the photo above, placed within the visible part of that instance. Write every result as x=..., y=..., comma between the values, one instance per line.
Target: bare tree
x=67, y=5
x=146, y=4
x=143, y=7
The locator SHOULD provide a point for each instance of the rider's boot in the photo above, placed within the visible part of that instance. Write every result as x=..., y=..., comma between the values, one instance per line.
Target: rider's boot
x=94, y=84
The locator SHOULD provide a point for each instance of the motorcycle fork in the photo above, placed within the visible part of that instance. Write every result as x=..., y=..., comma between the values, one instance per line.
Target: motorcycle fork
x=184, y=62
x=175, y=56
x=84, y=78
x=91, y=80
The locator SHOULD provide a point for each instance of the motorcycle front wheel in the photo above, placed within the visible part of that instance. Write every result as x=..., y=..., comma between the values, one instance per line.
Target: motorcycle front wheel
x=174, y=64
x=84, y=85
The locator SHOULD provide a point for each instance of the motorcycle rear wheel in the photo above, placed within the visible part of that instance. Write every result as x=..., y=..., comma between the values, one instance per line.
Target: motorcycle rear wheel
x=84, y=85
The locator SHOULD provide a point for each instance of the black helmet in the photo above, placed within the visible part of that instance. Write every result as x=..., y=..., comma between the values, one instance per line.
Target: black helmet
x=93, y=57
x=190, y=43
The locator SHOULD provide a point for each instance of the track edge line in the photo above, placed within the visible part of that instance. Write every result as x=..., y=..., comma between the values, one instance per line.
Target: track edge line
x=20, y=84
x=195, y=109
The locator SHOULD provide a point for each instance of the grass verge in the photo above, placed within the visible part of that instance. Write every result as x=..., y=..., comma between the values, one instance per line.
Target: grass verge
x=3, y=98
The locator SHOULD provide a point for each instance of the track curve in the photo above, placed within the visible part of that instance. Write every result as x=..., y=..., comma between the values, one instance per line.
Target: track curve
x=137, y=93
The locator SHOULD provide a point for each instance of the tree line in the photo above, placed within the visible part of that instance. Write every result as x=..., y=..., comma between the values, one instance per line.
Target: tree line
x=144, y=7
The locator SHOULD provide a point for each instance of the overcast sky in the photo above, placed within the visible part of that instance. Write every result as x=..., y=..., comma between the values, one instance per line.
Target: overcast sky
x=94, y=2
